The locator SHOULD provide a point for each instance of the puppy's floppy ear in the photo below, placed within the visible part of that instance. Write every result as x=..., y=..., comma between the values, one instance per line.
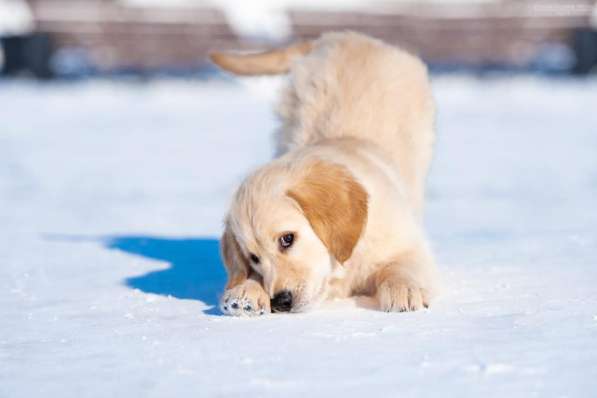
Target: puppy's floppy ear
x=236, y=264
x=335, y=205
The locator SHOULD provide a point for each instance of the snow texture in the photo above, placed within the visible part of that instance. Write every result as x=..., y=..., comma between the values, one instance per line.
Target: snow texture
x=111, y=201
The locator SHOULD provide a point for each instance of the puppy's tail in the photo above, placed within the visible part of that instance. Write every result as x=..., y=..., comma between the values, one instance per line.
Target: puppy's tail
x=273, y=62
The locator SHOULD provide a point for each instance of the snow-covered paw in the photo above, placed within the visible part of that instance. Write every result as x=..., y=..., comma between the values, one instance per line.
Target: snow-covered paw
x=247, y=299
x=399, y=295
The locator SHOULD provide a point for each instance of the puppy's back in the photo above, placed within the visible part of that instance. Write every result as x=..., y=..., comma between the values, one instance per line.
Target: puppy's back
x=351, y=85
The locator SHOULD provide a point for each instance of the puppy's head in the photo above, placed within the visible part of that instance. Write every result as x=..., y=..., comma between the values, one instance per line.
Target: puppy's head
x=290, y=227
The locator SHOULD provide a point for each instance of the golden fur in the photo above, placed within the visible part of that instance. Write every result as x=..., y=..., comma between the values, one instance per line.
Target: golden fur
x=335, y=205
x=265, y=63
x=354, y=151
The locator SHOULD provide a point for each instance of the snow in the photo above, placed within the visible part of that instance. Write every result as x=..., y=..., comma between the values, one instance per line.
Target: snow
x=15, y=18
x=111, y=200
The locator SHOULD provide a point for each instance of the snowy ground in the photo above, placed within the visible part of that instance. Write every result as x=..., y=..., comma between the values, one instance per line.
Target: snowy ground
x=111, y=199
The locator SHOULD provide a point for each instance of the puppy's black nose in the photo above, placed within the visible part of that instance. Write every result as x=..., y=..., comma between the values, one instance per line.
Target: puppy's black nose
x=282, y=301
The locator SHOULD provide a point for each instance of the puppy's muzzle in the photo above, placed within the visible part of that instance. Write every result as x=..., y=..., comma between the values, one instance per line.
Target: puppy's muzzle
x=282, y=301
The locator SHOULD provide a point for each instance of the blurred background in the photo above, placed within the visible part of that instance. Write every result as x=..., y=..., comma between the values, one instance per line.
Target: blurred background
x=77, y=38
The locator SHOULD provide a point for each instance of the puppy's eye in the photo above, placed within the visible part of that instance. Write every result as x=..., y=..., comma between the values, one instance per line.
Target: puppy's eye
x=254, y=258
x=286, y=241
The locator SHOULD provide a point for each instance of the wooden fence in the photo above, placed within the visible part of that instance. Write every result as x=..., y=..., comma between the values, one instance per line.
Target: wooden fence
x=503, y=32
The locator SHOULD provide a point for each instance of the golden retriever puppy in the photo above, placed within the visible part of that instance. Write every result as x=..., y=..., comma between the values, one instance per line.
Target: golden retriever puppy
x=338, y=213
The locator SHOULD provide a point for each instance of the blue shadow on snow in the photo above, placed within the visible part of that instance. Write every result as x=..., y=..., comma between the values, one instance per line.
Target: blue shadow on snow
x=196, y=271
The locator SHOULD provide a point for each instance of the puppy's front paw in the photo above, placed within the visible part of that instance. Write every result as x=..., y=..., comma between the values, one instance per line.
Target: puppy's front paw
x=246, y=299
x=401, y=294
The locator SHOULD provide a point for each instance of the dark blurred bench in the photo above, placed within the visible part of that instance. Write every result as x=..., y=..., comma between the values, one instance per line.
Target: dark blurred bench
x=27, y=53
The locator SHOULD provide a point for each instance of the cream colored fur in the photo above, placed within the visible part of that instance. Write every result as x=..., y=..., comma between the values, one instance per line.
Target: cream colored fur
x=365, y=108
